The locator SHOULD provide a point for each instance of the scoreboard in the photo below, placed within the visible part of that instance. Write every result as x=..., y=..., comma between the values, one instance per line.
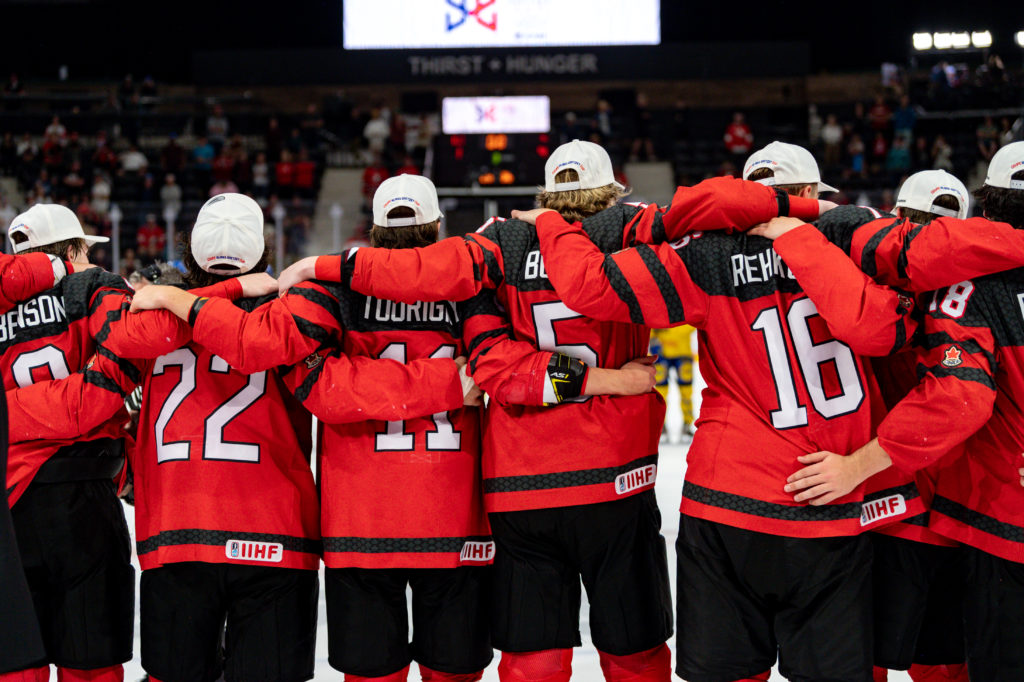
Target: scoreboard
x=491, y=160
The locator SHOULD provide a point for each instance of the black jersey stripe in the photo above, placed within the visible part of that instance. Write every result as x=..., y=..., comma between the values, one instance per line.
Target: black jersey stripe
x=400, y=545
x=902, y=259
x=622, y=288
x=111, y=316
x=306, y=387
x=325, y=301
x=782, y=198
x=975, y=519
x=126, y=366
x=564, y=479
x=483, y=336
x=311, y=330
x=663, y=279
x=100, y=380
x=867, y=259
x=494, y=274
x=962, y=373
x=219, y=538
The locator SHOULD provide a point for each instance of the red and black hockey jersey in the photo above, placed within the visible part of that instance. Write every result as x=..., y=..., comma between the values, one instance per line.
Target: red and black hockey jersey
x=400, y=486
x=779, y=384
x=52, y=334
x=22, y=277
x=973, y=383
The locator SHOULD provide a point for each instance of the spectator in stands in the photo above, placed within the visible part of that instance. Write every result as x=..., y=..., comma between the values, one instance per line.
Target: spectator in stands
x=152, y=240
x=408, y=166
x=53, y=153
x=879, y=149
x=642, y=130
x=897, y=161
x=988, y=140
x=217, y=127
x=134, y=161
x=922, y=155
x=261, y=176
x=73, y=150
x=242, y=175
x=294, y=143
x=855, y=152
x=284, y=174
x=56, y=128
x=172, y=156
x=739, y=139
x=1006, y=134
x=376, y=132
x=100, y=194
x=904, y=120
x=223, y=166
x=170, y=194
x=14, y=86
x=130, y=263
x=373, y=175
x=880, y=116
x=296, y=226
x=305, y=176
x=73, y=181
x=942, y=154
x=570, y=129
x=26, y=143
x=312, y=124
x=104, y=157
x=223, y=187
x=832, y=137
x=273, y=140
x=8, y=154
x=202, y=161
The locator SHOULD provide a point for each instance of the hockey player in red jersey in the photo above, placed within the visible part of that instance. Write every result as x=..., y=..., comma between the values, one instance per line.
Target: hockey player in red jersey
x=759, y=414
x=593, y=514
x=70, y=526
x=374, y=543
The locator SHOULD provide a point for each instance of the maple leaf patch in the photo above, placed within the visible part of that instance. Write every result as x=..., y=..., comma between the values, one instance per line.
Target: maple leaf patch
x=952, y=357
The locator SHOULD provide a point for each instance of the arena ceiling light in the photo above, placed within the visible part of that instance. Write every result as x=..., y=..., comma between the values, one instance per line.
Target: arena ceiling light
x=1020, y=38
x=942, y=41
x=981, y=38
x=923, y=41
x=961, y=40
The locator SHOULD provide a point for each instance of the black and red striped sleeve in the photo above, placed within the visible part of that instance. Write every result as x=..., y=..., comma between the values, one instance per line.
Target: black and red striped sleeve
x=872, y=319
x=149, y=334
x=957, y=391
x=372, y=388
x=24, y=276
x=923, y=258
x=511, y=372
x=453, y=269
x=279, y=332
x=71, y=407
x=645, y=284
x=726, y=203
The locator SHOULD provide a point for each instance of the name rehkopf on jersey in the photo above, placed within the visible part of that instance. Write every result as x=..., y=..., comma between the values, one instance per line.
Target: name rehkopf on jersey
x=758, y=268
x=390, y=312
x=44, y=309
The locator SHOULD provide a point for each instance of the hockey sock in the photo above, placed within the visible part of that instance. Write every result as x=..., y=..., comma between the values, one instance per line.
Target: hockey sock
x=41, y=674
x=939, y=673
x=398, y=676
x=114, y=673
x=653, y=665
x=879, y=674
x=429, y=675
x=550, y=665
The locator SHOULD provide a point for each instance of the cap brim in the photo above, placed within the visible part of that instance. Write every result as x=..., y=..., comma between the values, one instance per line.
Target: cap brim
x=822, y=187
x=91, y=239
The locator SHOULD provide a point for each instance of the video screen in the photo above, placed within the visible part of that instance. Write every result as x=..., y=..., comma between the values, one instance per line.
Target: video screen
x=475, y=115
x=415, y=24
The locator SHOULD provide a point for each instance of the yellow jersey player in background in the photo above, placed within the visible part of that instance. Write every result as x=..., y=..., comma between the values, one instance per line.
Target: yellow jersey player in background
x=675, y=352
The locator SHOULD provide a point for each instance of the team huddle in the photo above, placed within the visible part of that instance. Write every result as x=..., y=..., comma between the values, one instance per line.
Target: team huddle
x=852, y=499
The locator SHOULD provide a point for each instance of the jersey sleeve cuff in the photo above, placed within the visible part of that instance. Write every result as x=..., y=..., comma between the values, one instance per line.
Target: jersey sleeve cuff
x=328, y=268
x=804, y=208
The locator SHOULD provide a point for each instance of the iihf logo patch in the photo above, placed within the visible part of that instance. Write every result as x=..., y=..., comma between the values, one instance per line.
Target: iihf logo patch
x=952, y=358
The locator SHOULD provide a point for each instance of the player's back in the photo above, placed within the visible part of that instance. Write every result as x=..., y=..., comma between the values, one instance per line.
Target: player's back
x=222, y=465
x=979, y=499
x=779, y=386
x=579, y=452
x=402, y=493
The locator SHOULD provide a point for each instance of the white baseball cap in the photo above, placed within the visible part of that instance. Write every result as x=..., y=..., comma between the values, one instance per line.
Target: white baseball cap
x=47, y=224
x=792, y=164
x=920, y=191
x=589, y=160
x=1007, y=161
x=412, y=191
x=228, y=231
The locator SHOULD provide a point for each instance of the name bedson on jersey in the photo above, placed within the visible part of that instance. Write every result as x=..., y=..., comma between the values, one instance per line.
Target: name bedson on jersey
x=577, y=453
x=52, y=334
x=413, y=438
x=780, y=385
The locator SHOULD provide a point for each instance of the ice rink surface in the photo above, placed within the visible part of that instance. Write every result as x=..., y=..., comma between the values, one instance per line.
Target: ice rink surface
x=586, y=668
